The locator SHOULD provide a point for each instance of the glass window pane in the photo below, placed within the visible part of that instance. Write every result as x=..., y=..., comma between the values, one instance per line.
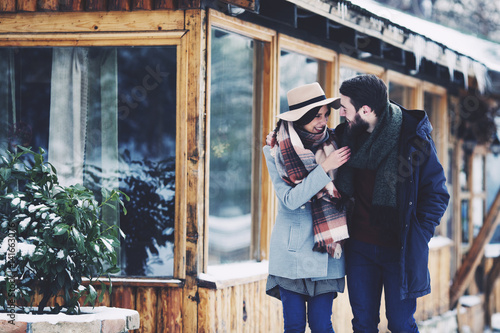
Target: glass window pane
x=106, y=117
x=432, y=103
x=478, y=174
x=400, y=94
x=464, y=217
x=234, y=109
x=478, y=218
x=348, y=72
x=295, y=70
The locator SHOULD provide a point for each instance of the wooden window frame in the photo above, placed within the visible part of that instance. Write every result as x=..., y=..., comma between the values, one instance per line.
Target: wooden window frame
x=262, y=191
x=417, y=95
x=441, y=136
x=157, y=38
x=362, y=66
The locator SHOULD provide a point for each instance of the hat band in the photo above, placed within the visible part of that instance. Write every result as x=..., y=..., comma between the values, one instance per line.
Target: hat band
x=310, y=101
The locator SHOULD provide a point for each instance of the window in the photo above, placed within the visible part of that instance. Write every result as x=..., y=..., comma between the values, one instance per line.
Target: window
x=107, y=118
x=301, y=63
x=295, y=70
x=235, y=146
x=350, y=67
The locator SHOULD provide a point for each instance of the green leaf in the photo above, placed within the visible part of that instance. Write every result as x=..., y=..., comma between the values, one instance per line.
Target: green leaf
x=79, y=239
x=60, y=229
x=113, y=270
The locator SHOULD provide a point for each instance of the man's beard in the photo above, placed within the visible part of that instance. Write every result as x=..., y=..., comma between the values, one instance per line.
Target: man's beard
x=357, y=127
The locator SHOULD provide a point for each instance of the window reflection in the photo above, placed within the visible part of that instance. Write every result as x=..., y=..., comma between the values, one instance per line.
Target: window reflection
x=107, y=118
x=295, y=70
x=234, y=115
x=464, y=217
x=401, y=94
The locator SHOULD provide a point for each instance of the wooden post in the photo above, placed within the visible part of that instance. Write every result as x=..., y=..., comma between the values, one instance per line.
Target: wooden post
x=193, y=139
x=465, y=273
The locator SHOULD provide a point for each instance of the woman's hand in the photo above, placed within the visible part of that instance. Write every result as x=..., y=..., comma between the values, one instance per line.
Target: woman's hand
x=271, y=139
x=336, y=159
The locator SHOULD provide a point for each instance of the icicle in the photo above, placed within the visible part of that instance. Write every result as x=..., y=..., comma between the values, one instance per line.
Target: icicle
x=451, y=61
x=342, y=8
x=465, y=62
x=419, y=45
x=480, y=71
x=432, y=51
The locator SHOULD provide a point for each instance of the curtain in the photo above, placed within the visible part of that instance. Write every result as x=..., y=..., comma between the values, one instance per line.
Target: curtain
x=83, y=134
x=7, y=98
x=68, y=113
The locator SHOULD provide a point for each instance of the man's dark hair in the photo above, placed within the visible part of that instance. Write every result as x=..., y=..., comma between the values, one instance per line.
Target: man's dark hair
x=366, y=90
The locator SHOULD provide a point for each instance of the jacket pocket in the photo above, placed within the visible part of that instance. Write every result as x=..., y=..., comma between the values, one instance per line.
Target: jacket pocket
x=293, y=240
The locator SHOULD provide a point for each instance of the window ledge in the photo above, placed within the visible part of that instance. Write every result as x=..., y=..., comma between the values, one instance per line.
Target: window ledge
x=228, y=275
x=439, y=242
x=141, y=282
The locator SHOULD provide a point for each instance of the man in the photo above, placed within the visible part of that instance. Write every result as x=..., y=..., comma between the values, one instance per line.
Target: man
x=399, y=192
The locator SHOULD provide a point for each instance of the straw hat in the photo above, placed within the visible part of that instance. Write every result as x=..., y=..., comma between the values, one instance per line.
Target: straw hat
x=304, y=98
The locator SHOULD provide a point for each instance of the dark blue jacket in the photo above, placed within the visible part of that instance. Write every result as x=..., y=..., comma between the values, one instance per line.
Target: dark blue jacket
x=423, y=199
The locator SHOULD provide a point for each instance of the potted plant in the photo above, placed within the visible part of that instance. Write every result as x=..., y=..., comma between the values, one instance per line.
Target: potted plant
x=52, y=237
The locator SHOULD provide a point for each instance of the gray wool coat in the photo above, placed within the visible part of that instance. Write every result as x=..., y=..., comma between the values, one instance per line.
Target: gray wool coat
x=291, y=255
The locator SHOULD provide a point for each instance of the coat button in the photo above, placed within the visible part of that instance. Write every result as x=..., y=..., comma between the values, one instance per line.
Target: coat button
x=303, y=207
x=411, y=203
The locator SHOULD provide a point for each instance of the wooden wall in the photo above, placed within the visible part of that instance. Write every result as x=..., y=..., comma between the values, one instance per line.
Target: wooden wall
x=108, y=5
x=159, y=307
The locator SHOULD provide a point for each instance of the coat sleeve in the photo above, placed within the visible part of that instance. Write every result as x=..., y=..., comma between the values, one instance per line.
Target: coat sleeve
x=295, y=196
x=433, y=196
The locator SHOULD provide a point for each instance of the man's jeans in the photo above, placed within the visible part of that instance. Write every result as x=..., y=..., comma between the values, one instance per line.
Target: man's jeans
x=319, y=312
x=368, y=268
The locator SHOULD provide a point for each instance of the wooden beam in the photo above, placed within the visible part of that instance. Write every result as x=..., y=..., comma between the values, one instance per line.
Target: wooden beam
x=465, y=273
x=252, y=5
x=50, y=22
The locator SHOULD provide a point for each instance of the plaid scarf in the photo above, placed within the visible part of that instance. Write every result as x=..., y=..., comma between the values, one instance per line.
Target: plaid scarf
x=294, y=160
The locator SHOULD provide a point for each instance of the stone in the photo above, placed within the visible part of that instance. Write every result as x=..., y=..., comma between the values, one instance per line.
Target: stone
x=113, y=326
x=67, y=327
x=9, y=326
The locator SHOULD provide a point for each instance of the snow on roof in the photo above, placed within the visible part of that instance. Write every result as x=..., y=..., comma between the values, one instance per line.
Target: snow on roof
x=439, y=44
x=484, y=51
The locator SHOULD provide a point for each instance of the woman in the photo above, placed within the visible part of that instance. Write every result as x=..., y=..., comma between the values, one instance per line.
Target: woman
x=306, y=263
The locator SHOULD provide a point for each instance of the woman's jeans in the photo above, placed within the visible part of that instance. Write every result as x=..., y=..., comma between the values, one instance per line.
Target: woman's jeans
x=369, y=268
x=319, y=312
